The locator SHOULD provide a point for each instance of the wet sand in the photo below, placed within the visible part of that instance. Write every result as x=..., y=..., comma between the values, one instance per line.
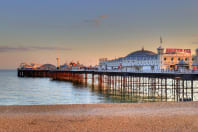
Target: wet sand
x=152, y=117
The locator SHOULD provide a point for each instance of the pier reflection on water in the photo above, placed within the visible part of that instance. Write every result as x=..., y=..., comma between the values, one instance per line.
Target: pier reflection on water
x=142, y=89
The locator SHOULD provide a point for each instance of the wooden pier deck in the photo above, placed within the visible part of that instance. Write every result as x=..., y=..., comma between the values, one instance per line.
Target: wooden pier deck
x=130, y=85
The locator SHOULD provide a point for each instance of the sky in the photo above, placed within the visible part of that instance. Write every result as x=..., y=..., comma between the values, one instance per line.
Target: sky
x=86, y=30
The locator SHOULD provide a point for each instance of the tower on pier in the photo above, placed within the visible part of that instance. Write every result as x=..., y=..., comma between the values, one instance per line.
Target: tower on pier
x=57, y=59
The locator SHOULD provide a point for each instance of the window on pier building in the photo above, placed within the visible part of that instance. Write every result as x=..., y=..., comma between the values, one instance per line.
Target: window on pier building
x=178, y=59
x=172, y=59
x=164, y=58
x=152, y=67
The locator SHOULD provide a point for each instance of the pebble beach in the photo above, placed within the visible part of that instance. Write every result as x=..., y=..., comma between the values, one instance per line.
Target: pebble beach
x=150, y=117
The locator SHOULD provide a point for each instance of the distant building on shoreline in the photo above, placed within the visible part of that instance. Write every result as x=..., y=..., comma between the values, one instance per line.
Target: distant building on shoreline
x=34, y=66
x=71, y=66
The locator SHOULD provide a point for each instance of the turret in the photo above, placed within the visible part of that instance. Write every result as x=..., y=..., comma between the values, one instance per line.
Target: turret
x=196, y=51
x=160, y=50
x=57, y=59
x=196, y=56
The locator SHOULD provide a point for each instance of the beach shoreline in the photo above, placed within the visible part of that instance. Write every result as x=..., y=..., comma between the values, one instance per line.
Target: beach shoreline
x=160, y=116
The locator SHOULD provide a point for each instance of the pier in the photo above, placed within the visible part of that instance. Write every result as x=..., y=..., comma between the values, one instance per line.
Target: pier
x=130, y=86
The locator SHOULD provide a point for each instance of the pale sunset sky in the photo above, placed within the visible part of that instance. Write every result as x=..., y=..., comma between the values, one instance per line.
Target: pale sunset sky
x=86, y=30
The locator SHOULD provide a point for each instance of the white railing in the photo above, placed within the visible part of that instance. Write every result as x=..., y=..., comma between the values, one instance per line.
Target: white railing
x=138, y=71
x=150, y=71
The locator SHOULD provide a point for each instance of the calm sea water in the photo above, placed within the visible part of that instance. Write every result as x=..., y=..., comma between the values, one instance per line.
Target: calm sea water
x=30, y=91
x=34, y=91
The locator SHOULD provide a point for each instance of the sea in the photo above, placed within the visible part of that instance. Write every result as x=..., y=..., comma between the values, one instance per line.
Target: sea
x=43, y=91
x=16, y=90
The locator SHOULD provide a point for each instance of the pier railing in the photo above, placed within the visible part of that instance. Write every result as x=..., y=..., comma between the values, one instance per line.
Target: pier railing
x=160, y=71
x=144, y=71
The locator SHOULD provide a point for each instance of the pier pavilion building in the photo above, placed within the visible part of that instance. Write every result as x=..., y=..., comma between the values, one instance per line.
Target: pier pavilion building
x=139, y=60
x=145, y=60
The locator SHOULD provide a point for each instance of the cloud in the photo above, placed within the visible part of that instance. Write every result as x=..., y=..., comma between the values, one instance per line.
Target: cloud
x=195, y=42
x=7, y=48
x=93, y=21
x=104, y=16
x=21, y=48
x=48, y=48
x=97, y=20
x=195, y=35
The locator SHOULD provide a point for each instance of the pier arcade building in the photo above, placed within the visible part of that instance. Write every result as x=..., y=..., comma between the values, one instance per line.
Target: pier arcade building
x=145, y=60
x=175, y=58
x=139, y=60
